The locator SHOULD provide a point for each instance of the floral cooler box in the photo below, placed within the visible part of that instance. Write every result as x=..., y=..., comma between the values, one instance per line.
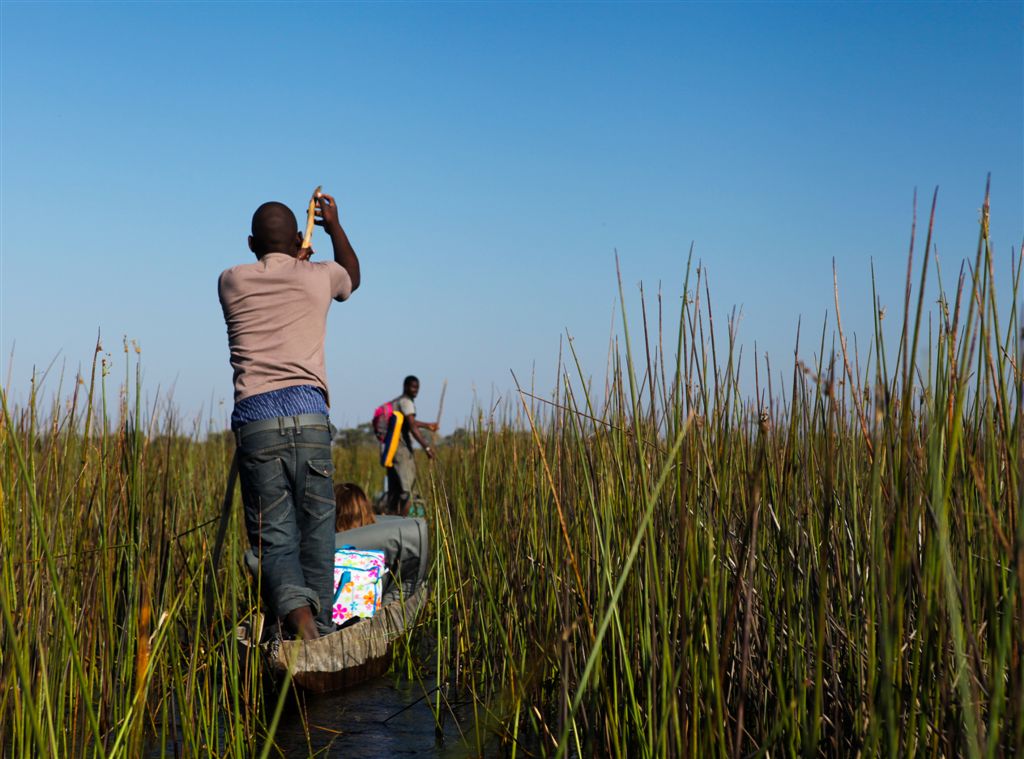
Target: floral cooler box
x=358, y=577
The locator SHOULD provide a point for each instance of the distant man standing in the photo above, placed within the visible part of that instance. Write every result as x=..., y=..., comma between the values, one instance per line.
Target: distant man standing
x=402, y=473
x=276, y=315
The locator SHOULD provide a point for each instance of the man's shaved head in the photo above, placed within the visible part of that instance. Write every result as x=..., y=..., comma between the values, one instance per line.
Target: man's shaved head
x=274, y=229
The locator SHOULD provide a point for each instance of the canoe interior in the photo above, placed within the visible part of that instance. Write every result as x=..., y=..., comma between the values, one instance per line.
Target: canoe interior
x=343, y=658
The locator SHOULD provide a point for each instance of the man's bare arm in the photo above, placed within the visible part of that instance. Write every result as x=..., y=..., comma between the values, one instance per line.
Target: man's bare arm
x=414, y=428
x=344, y=253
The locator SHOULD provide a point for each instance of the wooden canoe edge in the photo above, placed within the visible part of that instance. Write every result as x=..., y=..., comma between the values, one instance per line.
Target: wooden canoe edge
x=346, y=657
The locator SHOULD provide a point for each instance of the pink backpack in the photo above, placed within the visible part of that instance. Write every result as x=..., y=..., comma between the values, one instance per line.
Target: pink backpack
x=381, y=417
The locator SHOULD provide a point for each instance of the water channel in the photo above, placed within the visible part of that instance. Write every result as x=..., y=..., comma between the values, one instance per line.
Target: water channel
x=385, y=717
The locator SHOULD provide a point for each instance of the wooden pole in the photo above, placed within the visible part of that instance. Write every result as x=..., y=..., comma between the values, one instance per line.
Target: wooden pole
x=440, y=410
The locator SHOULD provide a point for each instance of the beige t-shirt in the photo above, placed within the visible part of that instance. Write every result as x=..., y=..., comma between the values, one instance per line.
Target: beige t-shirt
x=276, y=315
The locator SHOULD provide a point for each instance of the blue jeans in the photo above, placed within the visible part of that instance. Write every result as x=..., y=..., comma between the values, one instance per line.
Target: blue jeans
x=288, y=495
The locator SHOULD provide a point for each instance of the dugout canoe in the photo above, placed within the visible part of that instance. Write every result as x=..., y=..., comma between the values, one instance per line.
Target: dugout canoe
x=341, y=659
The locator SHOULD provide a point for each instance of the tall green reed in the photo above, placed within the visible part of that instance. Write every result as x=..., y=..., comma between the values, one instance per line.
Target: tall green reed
x=673, y=568
x=106, y=532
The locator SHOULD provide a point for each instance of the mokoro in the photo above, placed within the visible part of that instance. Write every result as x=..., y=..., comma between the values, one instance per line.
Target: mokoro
x=343, y=658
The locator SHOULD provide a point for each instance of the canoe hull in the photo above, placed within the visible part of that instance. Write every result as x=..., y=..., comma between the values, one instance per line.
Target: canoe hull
x=346, y=657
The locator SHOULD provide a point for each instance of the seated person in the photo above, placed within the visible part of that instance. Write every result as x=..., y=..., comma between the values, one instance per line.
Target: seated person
x=404, y=540
x=351, y=507
x=359, y=575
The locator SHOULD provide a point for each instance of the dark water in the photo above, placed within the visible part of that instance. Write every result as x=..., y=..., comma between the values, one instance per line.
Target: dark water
x=381, y=718
x=386, y=717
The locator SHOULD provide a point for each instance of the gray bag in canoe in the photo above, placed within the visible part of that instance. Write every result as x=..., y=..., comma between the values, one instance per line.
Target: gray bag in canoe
x=406, y=546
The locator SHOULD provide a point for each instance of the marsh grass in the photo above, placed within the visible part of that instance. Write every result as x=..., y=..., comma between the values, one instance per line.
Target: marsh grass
x=105, y=536
x=662, y=566
x=668, y=567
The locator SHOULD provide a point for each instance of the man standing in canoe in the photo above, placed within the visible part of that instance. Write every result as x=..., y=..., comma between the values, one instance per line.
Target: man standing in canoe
x=402, y=472
x=276, y=315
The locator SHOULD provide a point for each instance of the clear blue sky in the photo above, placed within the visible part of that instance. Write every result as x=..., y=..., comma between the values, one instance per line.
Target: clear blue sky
x=488, y=159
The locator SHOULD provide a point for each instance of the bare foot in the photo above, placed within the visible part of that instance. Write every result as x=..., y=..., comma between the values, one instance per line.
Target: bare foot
x=301, y=622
